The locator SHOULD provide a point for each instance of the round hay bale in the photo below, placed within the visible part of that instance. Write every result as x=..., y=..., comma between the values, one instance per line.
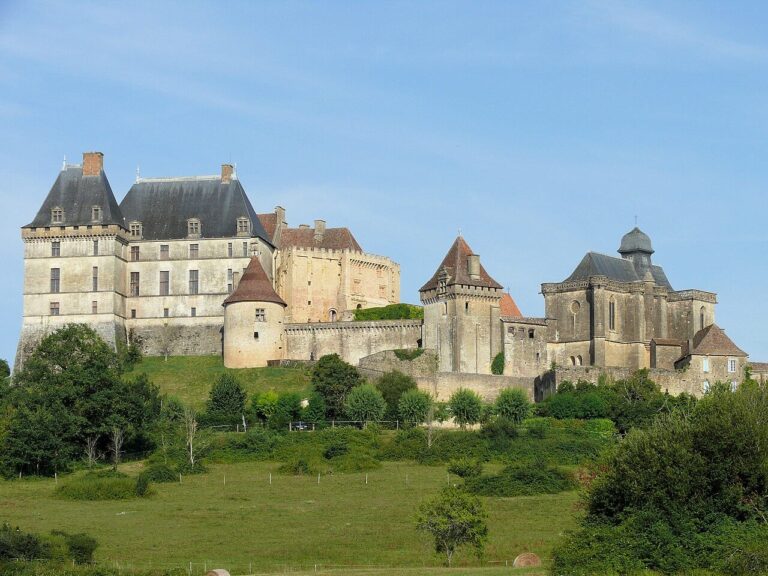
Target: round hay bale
x=217, y=572
x=527, y=560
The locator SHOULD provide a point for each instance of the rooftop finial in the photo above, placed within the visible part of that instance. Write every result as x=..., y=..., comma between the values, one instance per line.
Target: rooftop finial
x=459, y=231
x=138, y=172
x=64, y=164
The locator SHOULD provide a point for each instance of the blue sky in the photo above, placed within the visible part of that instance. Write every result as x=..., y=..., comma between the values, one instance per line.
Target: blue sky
x=539, y=129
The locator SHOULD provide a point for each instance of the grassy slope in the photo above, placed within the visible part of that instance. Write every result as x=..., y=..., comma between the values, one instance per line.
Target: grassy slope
x=292, y=524
x=190, y=377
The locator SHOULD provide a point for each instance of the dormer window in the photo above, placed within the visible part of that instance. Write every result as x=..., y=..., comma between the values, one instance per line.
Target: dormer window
x=243, y=226
x=135, y=229
x=96, y=213
x=57, y=216
x=193, y=228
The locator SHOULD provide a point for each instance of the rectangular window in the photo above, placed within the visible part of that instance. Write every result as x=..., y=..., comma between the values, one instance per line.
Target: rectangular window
x=164, y=282
x=55, y=248
x=95, y=279
x=57, y=216
x=135, y=228
x=261, y=315
x=612, y=315
x=54, y=308
x=96, y=213
x=193, y=286
x=193, y=312
x=133, y=312
x=94, y=307
x=242, y=225
x=245, y=249
x=229, y=280
x=731, y=365
x=134, y=253
x=134, y=283
x=164, y=252
x=55, y=279
x=165, y=312
x=193, y=227
x=705, y=364
x=194, y=250
x=229, y=249
x=95, y=247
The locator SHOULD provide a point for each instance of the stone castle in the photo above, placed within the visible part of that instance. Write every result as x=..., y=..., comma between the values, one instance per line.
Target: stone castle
x=185, y=266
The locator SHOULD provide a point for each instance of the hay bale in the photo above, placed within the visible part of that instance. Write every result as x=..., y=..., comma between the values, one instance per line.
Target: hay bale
x=527, y=560
x=217, y=572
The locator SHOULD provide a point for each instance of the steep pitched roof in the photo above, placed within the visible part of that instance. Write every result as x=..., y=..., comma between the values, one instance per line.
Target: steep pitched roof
x=254, y=286
x=508, y=307
x=620, y=269
x=455, y=265
x=269, y=223
x=712, y=341
x=332, y=239
x=163, y=206
x=76, y=195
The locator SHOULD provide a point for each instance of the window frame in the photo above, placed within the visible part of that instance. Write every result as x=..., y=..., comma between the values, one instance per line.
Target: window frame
x=54, y=309
x=135, y=284
x=55, y=249
x=194, y=281
x=57, y=215
x=55, y=280
x=164, y=283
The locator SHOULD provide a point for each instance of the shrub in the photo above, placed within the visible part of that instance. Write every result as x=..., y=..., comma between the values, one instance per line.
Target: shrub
x=497, y=366
x=465, y=467
x=338, y=447
x=409, y=354
x=314, y=412
x=94, y=486
x=451, y=445
x=465, y=406
x=299, y=467
x=287, y=409
x=391, y=312
x=499, y=433
x=263, y=405
x=159, y=473
x=413, y=407
x=392, y=386
x=80, y=547
x=365, y=403
x=513, y=405
x=522, y=481
x=18, y=545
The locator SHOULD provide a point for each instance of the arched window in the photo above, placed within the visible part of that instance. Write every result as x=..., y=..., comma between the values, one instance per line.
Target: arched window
x=578, y=361
x=573, y=361
x=701, y=318
x=332, y=315
x=612, y=314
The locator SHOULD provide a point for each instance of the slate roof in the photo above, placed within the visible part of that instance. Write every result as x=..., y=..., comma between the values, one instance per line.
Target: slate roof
x=635, y=241
x=332, y=239
x=163, y=206
x=455, y=264
x=508, y=307
x=77, y=195
x=620, y=269
x=712, y=341
x=254, y=286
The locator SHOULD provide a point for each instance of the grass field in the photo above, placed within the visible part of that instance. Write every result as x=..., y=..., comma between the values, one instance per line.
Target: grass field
x=232, y=517
x=190, y=378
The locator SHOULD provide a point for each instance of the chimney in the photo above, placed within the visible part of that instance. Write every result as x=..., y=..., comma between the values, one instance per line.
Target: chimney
x=280, y=212
x=303, y=226
x=227, y=171
x=473, y=266
x=93, y=163
x=319, y=230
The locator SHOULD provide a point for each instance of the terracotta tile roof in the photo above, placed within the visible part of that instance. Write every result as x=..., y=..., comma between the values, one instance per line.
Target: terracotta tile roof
x=254, y=286
x=332, y=239
x=269, y=222
x=508, y=308
x=455, y=264
x=712, y=341
x=760, y=367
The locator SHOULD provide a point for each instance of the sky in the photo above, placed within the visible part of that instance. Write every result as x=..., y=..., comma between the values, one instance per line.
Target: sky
x=540, y=130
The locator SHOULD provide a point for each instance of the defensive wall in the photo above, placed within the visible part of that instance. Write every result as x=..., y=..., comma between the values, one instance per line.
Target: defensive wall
x=673, y=381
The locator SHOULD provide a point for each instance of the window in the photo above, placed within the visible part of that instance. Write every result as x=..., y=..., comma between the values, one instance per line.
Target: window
x=135, y=229
x=194, y=251
x=466, y=307
x=243, y=226
x=95, y=247
x=612, y=315
x=731, y=365
x=165, y=312
x=193, y=228
x=255, y=335
x=193, y=286
x=95, y=279
x=135, y=253
x=94, y=307
x=193, y=312
x=245, y=249
x=229, y=249
x=134, y=283
x=573, y=360
x=164, y=282
x=229, y=280
x=133, y=312
x=54, y=308
x=164, y=252
x=705, y=364
x=55, y=248
x=578, y=361
x=261, y=315
x=705, y=386
x=332, y=315
x=521, y=333
x=531, y=333
x=701, y=318
x=538, y=356
x=309, y=302
x=55, y=279
x=96, y=213
x=445, y=308
x=57, y=216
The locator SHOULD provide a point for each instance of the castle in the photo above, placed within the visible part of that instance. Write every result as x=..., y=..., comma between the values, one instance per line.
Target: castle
x=186, y=266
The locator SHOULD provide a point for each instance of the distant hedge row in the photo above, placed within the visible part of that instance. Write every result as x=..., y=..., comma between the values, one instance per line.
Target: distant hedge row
x=391, y=312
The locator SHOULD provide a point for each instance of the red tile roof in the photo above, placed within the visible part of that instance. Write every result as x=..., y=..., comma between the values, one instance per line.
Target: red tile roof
x=455, y=264
x=712, y=341
x=269, y=222
x=254, y=286
x=508, y=308
x=332, y=239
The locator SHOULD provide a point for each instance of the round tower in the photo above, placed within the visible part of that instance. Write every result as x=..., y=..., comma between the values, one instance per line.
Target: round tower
x=253, y=321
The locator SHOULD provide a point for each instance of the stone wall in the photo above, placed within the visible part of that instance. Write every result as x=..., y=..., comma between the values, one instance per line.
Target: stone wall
x=488, y=386
x=380, y=363
x=182, y=337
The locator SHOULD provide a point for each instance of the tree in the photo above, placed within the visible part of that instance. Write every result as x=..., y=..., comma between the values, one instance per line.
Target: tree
x=333, y=378
x=365, y=403
x=497, y=366
x=314, y=411
x=466, y=407
x=263, y=405
x=414, y=406
x=196, y=442
x=287, y=409
x=392, y=386
x=226, y=400
x=513, y=405
x=5, y=370
x=116, y=439
x=454, y=518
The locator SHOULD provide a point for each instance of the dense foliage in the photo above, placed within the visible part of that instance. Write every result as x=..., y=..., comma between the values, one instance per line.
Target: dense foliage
x=391, y=312
x=497, y=366
x=332, y=379
x=365, y=403
x=466, y=407
x=414, y=406
x=513, y=405
x=16, y=545
x=392, y=386
x=226, y=401
x=408, y=354
x=522, y=480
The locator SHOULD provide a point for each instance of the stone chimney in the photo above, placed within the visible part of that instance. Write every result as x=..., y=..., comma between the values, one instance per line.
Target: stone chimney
x=93, y=163
x=319, y=230
x=473, y=266
x=227, y=171
x=280, y=212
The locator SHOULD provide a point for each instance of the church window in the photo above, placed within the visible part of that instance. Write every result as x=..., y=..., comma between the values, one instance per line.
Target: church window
x=96, y=213
x=731, y=365
x=164, y=282
x=135, y=229
x=245, y=249
x=94, y=307
x=134, y=283
x=193, y=312
x=194, y=251
x=193, y=281
x=612, y=315
x=531, y=333
x=95, y=247
x=95, y=279
x=243, y=226
x=55, y=279
x=57, y=216
x=135, y=253
x=261, y=315
x=701, y=318
x=55, y=248
x=705, y=364
x=166, y=312
x=165, y=252
x=229, y=249
x=193, y=228
x=54, y=308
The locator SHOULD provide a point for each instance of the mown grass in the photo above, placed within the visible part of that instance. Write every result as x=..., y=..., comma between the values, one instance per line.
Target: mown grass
x=190, y=378
x=233, y=517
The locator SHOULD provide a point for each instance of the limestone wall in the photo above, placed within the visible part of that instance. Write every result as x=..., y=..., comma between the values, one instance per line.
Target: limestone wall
x=180, y=337
x=380, y=363
x=488, y=386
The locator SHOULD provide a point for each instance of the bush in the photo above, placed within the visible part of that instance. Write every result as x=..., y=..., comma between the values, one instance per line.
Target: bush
x=159, y=473
x=465, y=467
x=413, y=407
x=408, y=355
x=79, y=546
x=18, y=545
x=499, y=433
x=95, y=486
x=365, y=403
x=392, y=386
x=391, y=312
x=299, y=467
x=513, y=405
x=522, y=481
x=497, y=366
x=465, y=406
x=287, y=409
x=315, y=409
